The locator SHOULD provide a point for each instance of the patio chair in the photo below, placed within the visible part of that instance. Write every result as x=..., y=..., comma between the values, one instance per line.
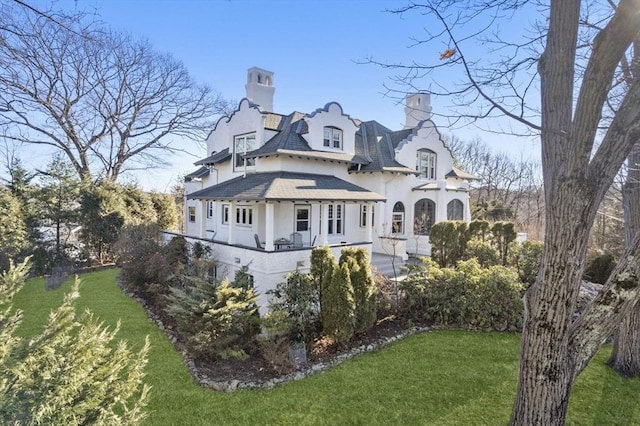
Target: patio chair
x=258, y=243
x=296, y=239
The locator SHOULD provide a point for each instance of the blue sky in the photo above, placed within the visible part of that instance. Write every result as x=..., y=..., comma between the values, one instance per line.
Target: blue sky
x=313, y=47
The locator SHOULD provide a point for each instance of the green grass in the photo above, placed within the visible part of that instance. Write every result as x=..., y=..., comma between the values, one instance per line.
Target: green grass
x=437, y=378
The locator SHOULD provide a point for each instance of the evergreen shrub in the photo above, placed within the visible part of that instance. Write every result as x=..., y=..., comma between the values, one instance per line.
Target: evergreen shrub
x=468, y=296
x=599, y=268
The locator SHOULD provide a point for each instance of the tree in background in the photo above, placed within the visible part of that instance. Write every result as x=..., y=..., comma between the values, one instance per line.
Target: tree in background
x=13, y=233
x=74, y=372
x=507, y=189
x=102, y=216
x=58, y=199
x=167, y=212
x=107, y=102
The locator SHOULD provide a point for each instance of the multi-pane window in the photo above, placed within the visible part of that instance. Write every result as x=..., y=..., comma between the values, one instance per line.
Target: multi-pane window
x=397, y=218
x=209, y=209
x=243, y=144
x=335, y=219
x=455, y=210
x=244, y=216
x=332, y=138
x=363, y=215
x=192, y=214
x=424, y=216
x=426, y=164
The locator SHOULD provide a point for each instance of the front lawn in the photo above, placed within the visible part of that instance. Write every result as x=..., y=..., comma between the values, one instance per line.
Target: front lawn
x=437, y=378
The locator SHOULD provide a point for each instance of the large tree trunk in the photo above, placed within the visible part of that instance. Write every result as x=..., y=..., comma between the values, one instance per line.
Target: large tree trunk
x=625, y=358
x=554, y=349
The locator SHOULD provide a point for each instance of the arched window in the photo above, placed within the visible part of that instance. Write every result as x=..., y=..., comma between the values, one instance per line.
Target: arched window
x=397, y=218
x=424, y=216
x=426, y=164
x=455, y=210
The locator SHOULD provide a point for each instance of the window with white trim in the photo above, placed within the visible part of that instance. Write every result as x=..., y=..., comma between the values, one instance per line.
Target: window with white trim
x=426, y=164
x=332, y=137
x=363, y=215
x=335, y=219
x=225, y=214
x=244, y=216
x=397, y=218
x=241, y=145
x=209, y=209
x=192, y=213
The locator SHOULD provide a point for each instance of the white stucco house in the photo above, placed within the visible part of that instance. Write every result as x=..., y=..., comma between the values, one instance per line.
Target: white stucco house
x=276, y=185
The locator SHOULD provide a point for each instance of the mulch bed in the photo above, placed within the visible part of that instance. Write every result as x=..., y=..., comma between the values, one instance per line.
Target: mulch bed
x=256, y=369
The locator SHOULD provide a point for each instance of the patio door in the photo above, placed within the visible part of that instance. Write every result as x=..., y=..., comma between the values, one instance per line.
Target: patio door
x=302, y=223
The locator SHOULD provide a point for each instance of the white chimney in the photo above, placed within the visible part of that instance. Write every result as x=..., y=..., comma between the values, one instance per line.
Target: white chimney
x=260, y=88
x=417, y=108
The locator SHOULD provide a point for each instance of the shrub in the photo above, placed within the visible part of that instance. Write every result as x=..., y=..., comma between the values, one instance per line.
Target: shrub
x=448, y=241
x=323, y=262
x=599, y=268
x=527, y=258
x=483, y=251
x=176, y=253
x=479, y=229
x=297, y=303
x=139, y=255
x=364, y=290
x=74, y=372
x=338, y=306
x=217, y=321
x=503, y=236
x=468, y=296
x=386, y=295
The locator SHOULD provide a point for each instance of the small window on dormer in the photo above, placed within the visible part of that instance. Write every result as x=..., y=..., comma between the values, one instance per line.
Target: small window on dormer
x=241, y=145
x=332, y=138
x=426, y=164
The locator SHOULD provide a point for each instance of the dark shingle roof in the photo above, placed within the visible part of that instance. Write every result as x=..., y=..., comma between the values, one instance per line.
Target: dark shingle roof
x=288, y=137
x=289, y=141
x=201, y=172
x=377, y=142
x=218, y=157
x=286, y=186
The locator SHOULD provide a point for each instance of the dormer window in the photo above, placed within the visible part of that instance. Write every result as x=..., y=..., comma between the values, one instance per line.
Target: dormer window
x=332, y=138
x=241, y=145
x=426, y=164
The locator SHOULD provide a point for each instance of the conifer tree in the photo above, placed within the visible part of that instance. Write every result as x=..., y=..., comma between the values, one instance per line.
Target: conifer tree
x=338, y=306
x=72, y=372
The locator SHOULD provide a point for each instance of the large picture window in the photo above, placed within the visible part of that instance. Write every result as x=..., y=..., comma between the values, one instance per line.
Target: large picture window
x=241, y=145
x=332, y=138
x=426, y=164
x=455, y=210
x=424, y=216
